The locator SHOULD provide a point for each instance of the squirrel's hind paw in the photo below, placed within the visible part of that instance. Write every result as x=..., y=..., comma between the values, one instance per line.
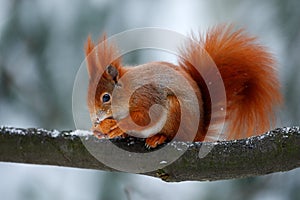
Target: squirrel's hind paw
x=155, y=140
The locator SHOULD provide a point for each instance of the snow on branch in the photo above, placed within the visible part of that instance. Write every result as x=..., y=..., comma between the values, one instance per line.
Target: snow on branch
x=274, y=151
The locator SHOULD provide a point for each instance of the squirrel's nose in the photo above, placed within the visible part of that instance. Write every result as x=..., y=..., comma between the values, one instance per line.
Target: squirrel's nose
x=100, y=116
x=97, y=121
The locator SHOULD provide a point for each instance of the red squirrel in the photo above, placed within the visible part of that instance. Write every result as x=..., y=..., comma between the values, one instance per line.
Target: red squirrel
x=247, y=69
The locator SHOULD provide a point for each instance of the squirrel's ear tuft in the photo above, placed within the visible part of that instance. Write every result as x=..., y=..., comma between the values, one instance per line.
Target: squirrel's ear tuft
x=90, y=57
x=112, y=73
x=100, y=57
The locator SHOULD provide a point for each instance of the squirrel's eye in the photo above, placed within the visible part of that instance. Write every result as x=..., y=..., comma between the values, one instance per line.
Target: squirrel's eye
x=105, y=98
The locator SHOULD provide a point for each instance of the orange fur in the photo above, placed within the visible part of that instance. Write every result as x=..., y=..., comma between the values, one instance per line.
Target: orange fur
x=247, y=69
x=249, y=76
x=108, y=55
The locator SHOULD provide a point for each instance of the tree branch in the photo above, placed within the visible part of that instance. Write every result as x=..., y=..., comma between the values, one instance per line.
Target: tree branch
x=275, y=151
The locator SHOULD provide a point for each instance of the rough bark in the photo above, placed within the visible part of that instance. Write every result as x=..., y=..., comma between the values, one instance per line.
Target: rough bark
x=275, y=151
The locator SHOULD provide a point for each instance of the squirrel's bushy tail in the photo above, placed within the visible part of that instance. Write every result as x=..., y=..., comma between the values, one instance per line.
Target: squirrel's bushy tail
x=249, y=76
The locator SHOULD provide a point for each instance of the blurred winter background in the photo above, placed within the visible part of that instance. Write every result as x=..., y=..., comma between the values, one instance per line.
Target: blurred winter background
x=41, y=49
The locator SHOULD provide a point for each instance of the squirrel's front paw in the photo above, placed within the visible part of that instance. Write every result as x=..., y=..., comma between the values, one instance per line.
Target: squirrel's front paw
x=108, y=128
x=155, y=140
